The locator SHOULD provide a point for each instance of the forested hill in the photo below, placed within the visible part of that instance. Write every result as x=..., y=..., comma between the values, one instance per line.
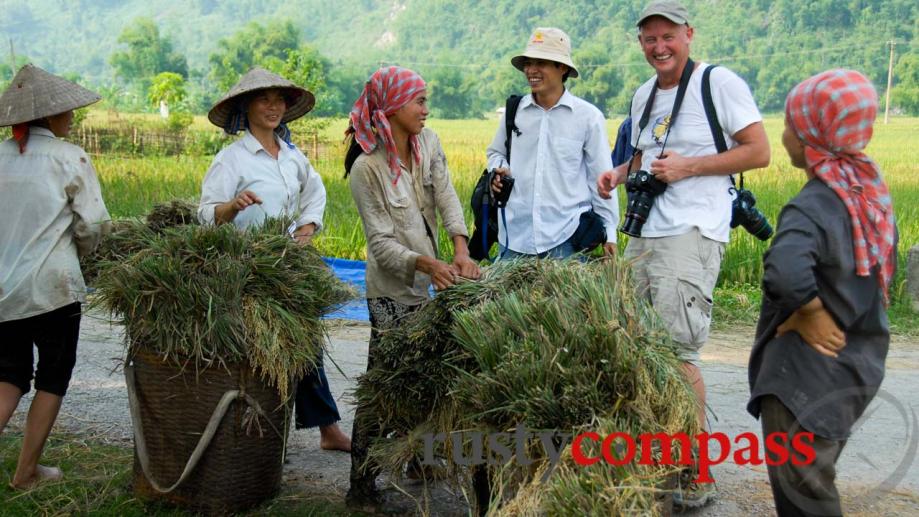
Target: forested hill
x=461, y=46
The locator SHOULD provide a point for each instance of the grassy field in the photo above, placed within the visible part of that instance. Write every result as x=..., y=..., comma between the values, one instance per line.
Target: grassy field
x=131, y=185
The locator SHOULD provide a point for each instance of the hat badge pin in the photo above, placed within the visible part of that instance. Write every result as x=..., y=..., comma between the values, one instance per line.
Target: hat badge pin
x=537, y=37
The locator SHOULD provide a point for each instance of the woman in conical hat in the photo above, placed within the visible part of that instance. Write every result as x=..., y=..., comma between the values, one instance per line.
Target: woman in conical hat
x=52, y=212
x=264, y=175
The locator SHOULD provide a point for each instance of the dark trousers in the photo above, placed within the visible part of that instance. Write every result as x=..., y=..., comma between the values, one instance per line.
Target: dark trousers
x=801, y=490
x=55, y=334
x=314, y=404
x=384, y=315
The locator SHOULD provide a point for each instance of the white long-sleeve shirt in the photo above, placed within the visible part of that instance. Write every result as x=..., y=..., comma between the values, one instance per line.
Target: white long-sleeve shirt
x=555, y=162
x=287, y=186
x=51, y=214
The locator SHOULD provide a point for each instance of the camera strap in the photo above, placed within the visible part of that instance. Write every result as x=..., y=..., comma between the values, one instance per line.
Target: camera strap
x=680, y=94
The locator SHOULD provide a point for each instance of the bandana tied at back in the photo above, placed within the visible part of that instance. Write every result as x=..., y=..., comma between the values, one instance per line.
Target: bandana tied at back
x=387, y=90
x=833, y=114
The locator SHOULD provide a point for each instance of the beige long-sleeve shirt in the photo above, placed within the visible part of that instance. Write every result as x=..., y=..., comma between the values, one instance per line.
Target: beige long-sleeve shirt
x=51, y=214
x=400, y=221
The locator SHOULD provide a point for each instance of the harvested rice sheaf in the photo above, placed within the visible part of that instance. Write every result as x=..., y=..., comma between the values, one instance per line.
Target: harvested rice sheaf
x=127, y=234
x=549, y=345
x=208, y=296
x=174, y=213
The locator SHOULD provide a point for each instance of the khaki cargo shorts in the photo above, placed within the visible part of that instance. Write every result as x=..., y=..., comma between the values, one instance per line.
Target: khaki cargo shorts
x=677, y=274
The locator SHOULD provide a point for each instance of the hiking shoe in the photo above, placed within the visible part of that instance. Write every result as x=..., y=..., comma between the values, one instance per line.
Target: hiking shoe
x=690, y=494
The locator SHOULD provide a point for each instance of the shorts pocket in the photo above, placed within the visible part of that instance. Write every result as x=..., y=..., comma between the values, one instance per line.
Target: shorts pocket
x=695, y=312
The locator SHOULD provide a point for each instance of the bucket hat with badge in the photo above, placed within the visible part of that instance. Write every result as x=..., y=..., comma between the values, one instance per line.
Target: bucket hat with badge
x=550, y=44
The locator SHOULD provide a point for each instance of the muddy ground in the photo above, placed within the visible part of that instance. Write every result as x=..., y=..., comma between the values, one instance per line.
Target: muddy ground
x=875, y=475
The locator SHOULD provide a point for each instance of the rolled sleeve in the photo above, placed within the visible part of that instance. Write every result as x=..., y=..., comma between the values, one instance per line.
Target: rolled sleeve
x=91, y=218
x=312, y=198
x=219, y=186
x=379, y=228
x=789, y=278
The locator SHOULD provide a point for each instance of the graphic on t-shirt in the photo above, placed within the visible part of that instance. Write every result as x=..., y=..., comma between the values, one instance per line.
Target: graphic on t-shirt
x=660, y=129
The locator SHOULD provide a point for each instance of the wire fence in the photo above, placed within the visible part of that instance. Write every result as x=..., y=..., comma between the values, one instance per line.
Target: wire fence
x=144, y=142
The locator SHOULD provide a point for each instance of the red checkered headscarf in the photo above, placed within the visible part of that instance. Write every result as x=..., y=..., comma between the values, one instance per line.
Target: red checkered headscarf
x=833, y=114
x=387, y=90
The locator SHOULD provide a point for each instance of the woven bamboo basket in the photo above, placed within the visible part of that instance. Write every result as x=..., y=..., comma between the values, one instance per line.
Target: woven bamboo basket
x=189, y=455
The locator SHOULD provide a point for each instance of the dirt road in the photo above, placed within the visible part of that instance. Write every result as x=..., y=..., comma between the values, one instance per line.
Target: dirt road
x=874, y=475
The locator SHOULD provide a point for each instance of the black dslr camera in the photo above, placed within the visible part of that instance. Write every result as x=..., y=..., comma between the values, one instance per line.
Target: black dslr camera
x=507, y=184
x=744, y=213
x=642, y=188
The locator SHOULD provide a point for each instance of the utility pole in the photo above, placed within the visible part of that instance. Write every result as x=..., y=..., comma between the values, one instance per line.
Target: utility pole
x=12, y=59
x=892, y=43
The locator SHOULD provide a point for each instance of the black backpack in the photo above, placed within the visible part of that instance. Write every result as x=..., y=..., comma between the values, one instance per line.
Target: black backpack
x=483, y=207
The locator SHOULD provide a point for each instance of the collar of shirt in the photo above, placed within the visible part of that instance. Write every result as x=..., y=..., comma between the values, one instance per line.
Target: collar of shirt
x=566, y=100
x=254, y=146
x=41, y=131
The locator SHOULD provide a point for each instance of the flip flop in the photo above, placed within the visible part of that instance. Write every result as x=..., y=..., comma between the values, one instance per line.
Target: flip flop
x=43, y=474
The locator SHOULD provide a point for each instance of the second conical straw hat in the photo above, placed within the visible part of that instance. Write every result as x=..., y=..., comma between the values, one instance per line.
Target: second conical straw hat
x=261, y=79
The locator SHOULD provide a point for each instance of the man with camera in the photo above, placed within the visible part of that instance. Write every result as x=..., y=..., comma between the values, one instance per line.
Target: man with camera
x=680, y=190
x=559, y=149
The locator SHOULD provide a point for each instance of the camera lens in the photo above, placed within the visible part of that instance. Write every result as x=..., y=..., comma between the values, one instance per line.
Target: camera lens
x=757, y=225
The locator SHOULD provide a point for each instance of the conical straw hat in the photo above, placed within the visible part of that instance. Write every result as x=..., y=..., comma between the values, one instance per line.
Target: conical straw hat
x=261, y=79
x=34, y=94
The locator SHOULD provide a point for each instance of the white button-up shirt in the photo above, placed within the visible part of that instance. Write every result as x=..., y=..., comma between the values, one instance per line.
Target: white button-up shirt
x=287, y=186
x=555, y=162
x=51, y=213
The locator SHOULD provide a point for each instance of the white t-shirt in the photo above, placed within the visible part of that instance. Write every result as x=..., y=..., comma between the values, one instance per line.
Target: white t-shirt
x=702, y=202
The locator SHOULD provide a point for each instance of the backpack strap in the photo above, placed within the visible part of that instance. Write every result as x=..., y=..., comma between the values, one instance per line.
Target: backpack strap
x=712, y=115
x=510, y=123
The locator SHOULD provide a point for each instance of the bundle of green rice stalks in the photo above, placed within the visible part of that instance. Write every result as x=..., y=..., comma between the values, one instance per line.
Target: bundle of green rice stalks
x=208, y=296
x=128, y=234
x=547, y=345
x=174, y=213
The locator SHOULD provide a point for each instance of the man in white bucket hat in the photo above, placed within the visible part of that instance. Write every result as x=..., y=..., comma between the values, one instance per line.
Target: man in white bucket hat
x=558, y=150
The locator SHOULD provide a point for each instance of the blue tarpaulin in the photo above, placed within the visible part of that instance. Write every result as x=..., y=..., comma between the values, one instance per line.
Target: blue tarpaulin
x=352, y=272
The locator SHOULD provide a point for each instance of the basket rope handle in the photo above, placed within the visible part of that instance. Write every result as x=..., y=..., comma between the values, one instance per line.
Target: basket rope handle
x=209, y=431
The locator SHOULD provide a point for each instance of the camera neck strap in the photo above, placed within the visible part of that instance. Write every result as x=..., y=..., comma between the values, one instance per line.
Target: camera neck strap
x=680, y=94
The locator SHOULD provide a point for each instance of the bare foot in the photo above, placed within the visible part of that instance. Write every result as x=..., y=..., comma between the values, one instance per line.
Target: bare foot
x=41, y=475
x=331, y=438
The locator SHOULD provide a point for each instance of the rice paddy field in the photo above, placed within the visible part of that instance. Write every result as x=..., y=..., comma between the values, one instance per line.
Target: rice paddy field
x=133, y=184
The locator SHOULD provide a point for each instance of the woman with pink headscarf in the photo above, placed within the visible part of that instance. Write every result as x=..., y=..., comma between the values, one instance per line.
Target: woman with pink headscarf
x=399, y=182
x=823, y=334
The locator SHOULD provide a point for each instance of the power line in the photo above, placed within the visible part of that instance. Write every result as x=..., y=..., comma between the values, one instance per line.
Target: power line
x=643, y=63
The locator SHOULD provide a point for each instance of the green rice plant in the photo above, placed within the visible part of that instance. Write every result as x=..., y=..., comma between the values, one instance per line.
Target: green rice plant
x=548, y=345
x=208, y=296
x=131, y=186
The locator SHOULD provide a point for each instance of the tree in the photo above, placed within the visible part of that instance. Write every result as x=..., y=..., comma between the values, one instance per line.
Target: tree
x=167, y=88
x=905, y=93
x=147, y=55
x=452, y=95
x=254, y=45
x=307, y=68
